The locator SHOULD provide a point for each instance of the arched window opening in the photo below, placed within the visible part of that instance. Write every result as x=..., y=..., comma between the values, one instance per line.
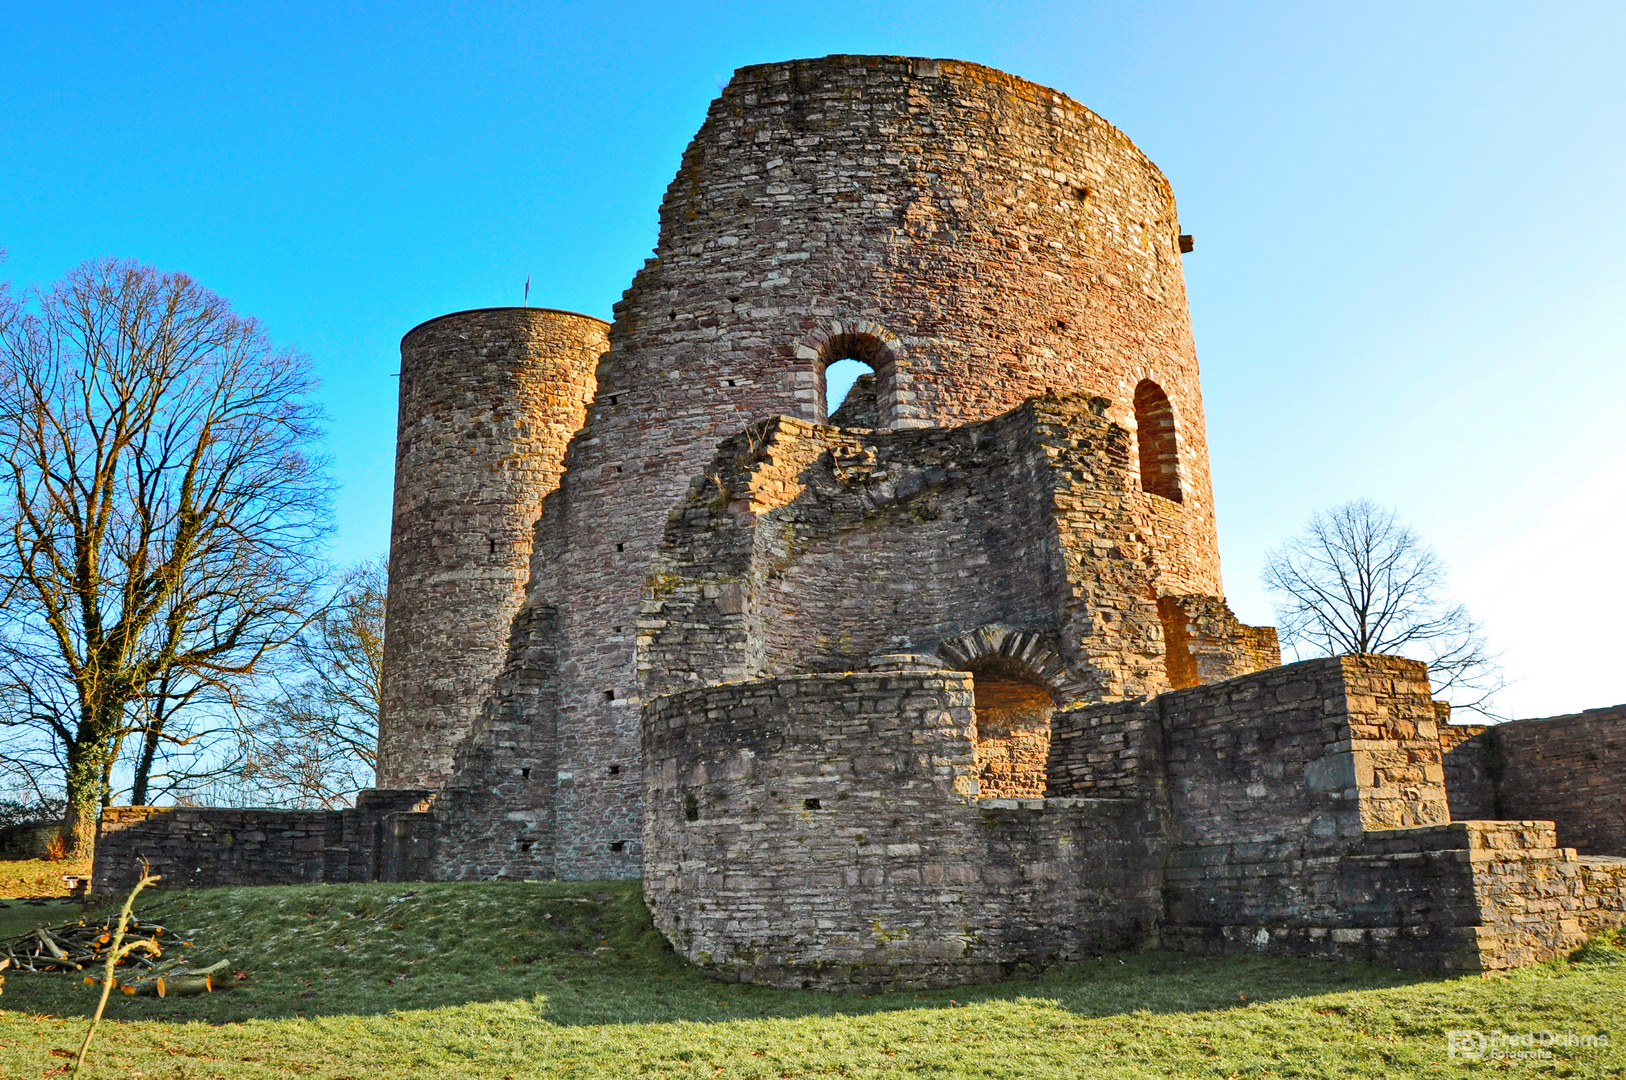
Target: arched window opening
x=1012, y=744
x=1159, y=450
x=849, y=394
x=844, y=358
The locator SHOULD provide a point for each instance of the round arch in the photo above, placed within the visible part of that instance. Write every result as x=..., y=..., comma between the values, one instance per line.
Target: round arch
x=869, y=343
x=999, y=646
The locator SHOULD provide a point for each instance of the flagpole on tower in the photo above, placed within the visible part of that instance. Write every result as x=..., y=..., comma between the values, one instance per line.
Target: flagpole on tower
x=527, y=290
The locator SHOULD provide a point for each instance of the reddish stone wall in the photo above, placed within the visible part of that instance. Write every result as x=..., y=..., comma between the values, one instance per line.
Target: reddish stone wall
x=976, y=238
x=488, y=401
x=1207, y=643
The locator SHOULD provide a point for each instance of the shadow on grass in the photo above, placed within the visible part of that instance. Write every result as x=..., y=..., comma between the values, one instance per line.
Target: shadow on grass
x=21, y=916
x=582, y=954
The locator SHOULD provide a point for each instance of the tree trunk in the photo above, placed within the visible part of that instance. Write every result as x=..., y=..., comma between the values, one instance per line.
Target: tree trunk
x=79, y=824
x=149, y=750
x=86, y=762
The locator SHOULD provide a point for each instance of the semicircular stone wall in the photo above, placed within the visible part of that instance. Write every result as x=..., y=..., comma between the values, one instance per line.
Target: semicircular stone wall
x=978, y=238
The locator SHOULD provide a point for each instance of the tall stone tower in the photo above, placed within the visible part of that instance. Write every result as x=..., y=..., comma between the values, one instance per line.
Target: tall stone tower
x=489, y=400
x=975, y=238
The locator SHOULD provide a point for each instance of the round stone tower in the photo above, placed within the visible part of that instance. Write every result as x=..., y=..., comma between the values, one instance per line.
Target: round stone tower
x=973, y=237
x=489, y=400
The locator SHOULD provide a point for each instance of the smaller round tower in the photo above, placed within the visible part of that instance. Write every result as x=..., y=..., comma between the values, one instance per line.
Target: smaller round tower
x=489, y=399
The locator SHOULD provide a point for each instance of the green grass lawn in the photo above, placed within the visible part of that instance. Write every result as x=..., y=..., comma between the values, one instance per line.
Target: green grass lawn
x=569, y=979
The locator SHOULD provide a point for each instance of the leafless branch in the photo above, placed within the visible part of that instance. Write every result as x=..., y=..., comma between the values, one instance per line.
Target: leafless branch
x=1356, y=581
x=160, y=505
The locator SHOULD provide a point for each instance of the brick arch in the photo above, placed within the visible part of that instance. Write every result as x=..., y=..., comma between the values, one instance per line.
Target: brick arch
x=870, y=342
x=1010, y=649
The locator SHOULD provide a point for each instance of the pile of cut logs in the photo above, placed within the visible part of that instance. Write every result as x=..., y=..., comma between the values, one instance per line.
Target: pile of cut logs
x=82, y=946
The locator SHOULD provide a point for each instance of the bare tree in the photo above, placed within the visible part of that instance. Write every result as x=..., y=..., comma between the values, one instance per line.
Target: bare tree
x=1356, y=581
x=160, y=512
x=314, y=741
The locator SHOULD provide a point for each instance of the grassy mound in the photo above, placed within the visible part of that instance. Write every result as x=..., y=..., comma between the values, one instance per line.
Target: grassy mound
x=569, y=979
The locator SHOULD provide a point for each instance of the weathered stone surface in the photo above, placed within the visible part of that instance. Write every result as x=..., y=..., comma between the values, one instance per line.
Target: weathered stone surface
x=825, y=831
x=1567, y=769
x=489, y=399
x=976, y=238
x=809, y=548
x=386, y=837
x=821, y=830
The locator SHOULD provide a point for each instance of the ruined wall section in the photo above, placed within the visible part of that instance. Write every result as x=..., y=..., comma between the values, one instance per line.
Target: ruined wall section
x=1306, y=815
x=808, y=548
x=495, y=816
x=386, y=836
x=977, y=238
x=1570, y=770
x=1325, y=750
x=823, y=831
x=1207, y=643
x=489, y=400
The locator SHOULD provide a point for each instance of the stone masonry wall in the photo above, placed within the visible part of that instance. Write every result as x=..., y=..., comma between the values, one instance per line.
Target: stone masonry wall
x=488, y=401
x=1207, y=643
x=1307, y=815
x=386, y=837
x=1570, y=770
x=1272, y=776
x=496, y=814
x=1467, y=784
x=824, y=831
x=976, y=238
x=808, y=548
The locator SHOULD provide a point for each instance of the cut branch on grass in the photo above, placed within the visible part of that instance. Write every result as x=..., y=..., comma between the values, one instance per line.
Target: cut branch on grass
x=117, y=950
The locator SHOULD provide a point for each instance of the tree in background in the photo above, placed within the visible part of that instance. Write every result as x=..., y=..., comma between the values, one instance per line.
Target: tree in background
x=160, y=510
x=314, y=741
x=1356, y=581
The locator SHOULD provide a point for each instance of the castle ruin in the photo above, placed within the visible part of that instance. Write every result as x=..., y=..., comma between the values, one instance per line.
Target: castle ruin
x=935, y=687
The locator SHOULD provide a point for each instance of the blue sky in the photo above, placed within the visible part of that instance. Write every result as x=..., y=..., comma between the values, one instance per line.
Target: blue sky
x=1407, y=283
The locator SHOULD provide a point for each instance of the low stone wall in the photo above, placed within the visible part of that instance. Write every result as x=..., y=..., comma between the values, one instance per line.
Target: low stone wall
x=388, y=836
x=1469, y=896
x=824, y=831
x=1307, y=815
x=1570, y=770
x=30, y=841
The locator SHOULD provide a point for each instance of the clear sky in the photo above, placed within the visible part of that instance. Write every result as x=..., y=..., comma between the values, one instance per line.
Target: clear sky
x=1407, y=283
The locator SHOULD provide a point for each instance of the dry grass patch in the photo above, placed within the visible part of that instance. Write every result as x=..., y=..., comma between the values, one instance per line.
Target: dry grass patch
x=37, y=877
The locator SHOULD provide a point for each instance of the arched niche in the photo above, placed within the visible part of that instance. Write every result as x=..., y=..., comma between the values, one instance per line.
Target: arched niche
x=1013, y=708
x=1018, y=679
x=1159, y=445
